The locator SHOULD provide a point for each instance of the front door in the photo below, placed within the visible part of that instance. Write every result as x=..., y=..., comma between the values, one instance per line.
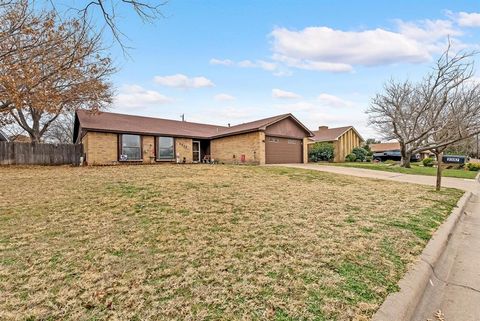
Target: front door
x=196, y=151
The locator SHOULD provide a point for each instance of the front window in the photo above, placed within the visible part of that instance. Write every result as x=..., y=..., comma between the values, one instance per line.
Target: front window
x=131, y=148
x=165, y=148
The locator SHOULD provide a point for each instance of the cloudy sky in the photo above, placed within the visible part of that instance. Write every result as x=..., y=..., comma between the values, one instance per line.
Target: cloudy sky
x=234, y=61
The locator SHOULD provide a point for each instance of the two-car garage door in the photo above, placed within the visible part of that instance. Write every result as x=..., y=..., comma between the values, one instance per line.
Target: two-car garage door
x=280, y=150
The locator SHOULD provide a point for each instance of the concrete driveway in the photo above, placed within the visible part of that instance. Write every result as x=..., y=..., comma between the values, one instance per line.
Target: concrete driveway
x=460, y=183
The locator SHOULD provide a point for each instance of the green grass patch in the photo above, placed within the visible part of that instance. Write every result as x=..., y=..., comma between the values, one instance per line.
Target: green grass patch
x=416, y=169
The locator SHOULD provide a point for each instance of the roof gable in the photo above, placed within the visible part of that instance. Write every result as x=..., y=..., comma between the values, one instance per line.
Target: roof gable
x=330, y=134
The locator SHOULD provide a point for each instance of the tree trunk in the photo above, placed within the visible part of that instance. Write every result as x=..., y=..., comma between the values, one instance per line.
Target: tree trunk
x=406, y=155
x=439, y=170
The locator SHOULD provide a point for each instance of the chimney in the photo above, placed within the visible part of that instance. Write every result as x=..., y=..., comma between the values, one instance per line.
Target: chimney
x=183, y=117
x=322, y=127
x=228, y=124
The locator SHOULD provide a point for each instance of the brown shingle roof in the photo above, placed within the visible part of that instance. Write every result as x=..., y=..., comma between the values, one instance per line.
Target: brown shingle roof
x=326, y=134
x=382, y=147
x=113, y=122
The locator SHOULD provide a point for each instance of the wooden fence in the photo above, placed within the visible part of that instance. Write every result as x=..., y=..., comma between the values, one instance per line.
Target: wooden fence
x=13, y=153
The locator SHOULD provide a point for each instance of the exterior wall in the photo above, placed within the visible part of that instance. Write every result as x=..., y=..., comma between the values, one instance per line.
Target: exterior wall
x=100, y=148
x=345, y=144
x=230, y=149
x=306, y=145
x=183, y=149
x=286, y=128
x=148, y=147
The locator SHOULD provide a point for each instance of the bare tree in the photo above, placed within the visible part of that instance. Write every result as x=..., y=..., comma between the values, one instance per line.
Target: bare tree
x=409, y=112
x=49, y=67
x=459, y=121
x=147, y=10
x=61, y=130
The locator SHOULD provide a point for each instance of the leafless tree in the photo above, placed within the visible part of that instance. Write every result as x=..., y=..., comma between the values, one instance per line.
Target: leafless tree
x=459, y=121
x=147, y=10
x=48, y=67
x=61, y=130
x=410, y=112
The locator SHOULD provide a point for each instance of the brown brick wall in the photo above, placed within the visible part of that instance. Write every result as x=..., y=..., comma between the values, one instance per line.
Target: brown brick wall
x=100, y=148
x=183, y=148
x=252, y=145
x=148, y=146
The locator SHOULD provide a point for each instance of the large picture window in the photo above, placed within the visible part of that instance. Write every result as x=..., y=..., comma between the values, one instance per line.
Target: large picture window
x=131, y=149
x=165, y=148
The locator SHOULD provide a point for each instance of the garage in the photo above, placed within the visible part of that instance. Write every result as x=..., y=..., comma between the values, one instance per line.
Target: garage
x=280, y=150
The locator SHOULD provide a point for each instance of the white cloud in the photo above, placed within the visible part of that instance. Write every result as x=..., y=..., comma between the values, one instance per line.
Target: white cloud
x=283, y=94
x=223, y=97
x=137, y=96
x=327, y=49
x=224, y=62
x=328, y=100
x=182, y=81
x=467, y=19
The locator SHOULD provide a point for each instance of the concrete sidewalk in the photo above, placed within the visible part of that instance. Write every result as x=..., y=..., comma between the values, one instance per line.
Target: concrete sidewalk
x=454, y=288
x=460, y=183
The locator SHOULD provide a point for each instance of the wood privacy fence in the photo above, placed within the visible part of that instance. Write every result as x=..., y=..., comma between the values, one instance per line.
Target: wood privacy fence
x=13, y=153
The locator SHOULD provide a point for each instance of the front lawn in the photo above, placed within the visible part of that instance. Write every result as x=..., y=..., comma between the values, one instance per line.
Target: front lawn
x=203, y=242
x=416, y=169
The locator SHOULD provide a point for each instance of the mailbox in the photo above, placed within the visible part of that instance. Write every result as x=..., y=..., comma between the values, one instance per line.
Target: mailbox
x=454, y=159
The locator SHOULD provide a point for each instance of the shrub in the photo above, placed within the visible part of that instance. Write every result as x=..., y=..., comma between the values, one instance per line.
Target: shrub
x=369, y=158
x=390, y=162
x=360, y=153
x=473, y=166
x=351, y=157
x=428, y=162
x=321, y=152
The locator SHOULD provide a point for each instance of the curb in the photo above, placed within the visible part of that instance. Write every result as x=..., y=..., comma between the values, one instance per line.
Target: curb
x=401, y=305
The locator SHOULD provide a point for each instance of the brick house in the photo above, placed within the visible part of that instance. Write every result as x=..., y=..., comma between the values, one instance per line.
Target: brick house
x=344, y=140
x=111, y=138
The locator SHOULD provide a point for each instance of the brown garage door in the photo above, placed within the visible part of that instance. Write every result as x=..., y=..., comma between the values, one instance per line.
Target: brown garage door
x=283, y=150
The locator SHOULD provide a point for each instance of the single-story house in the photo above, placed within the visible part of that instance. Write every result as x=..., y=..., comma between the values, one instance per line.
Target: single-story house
x=111, y=138
x=394, y=147
x=344, y=140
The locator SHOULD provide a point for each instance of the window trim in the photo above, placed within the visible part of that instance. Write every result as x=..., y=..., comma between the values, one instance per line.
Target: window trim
x=119, y=150
x=157, y=151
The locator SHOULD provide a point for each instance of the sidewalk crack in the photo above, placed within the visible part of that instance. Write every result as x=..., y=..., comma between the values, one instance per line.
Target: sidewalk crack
x=448, y=282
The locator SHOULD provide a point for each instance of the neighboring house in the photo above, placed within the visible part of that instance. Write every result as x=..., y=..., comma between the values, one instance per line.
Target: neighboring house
x=392, y=150
x=3, y=137
x=110, y=138
x=344, y=140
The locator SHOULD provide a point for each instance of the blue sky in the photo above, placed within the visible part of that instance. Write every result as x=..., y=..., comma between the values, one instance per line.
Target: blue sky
x=235, y=61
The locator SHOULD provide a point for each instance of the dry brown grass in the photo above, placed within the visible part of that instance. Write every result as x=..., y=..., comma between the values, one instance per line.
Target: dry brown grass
x=205, y=242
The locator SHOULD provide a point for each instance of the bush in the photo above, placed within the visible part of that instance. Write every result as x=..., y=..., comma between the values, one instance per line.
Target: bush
x=428, y=162
x=474, y=167
x=360, y=153
x=390, y=162
x=351, y=157
x=369, y=158
x=321, y=152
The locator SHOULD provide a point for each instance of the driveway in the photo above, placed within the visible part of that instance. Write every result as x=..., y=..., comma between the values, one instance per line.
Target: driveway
x=460, y=183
